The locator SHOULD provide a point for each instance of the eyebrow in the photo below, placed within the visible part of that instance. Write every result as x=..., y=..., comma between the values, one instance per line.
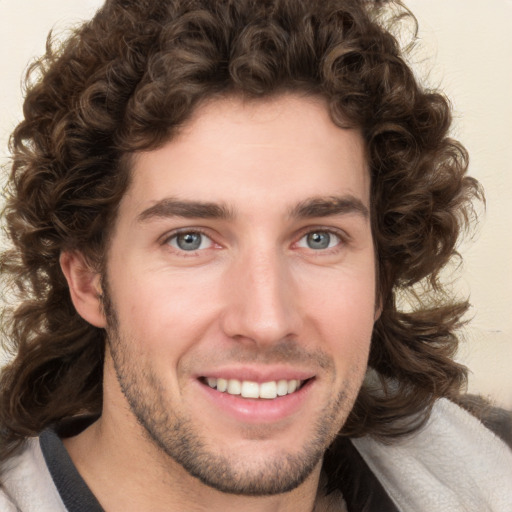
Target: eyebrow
x=170, y=207
x=327, y=206
x=310, y=208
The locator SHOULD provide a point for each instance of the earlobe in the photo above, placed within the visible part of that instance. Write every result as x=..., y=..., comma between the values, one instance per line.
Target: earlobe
x=84, y=287
x=378, y=308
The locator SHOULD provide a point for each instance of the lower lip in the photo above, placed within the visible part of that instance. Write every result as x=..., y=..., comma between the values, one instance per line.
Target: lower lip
x=254, y=410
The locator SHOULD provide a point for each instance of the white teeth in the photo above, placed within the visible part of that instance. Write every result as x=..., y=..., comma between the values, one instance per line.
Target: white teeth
x=234, y=387
x=249, y=389
x=292, y=386
x=268, y=390
x=282, y=387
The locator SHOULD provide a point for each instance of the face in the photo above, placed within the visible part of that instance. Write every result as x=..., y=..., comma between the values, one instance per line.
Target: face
x=241, y=291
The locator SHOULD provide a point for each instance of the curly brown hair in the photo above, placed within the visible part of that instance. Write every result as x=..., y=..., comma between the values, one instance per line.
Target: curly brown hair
x=126, y=81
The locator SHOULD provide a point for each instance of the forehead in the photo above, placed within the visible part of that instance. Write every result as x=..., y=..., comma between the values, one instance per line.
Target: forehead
x=277, y=150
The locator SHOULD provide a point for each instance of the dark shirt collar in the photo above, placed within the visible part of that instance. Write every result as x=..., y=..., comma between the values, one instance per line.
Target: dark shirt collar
x=74, y=492
x=345, y=469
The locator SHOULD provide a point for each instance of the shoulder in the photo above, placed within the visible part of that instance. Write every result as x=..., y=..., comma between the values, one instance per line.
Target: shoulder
x=496, y=419
x=27, y=485
x=6, y=504
x=453, y=463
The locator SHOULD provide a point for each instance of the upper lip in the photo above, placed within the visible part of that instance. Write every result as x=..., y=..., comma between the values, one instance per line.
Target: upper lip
x=258, y=374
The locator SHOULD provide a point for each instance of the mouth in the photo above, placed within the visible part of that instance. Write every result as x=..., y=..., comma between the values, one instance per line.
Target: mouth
x=269, y=390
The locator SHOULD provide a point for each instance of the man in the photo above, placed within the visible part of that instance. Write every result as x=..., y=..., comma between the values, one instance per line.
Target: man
x=213, y=207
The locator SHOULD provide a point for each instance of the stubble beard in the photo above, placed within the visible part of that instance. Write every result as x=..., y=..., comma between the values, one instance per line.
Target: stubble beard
x=177, y=437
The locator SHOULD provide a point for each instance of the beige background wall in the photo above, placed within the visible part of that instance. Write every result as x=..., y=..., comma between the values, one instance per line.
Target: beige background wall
x=466, y=48
x=469, y=48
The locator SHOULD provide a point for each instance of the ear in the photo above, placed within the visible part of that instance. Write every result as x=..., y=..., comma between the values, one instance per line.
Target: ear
x=378, y=304
x=84, y=287
x=378, y=311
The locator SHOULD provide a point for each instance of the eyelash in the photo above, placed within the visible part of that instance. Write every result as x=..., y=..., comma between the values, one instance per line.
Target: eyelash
x=341, y=236
x=185, y=231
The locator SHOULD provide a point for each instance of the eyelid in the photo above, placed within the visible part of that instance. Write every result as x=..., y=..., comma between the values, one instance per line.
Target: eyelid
x=342, y=235
x=165, y=239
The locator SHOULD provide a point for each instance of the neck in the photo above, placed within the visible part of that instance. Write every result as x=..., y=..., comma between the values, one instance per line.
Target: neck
x=128, y=472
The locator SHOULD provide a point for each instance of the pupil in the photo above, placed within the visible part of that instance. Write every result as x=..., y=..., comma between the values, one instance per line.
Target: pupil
x=319, y=240
x=189, y=241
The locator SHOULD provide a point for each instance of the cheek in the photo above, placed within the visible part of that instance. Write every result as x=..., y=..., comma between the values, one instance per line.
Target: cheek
x=162, y=312
x=343, y=311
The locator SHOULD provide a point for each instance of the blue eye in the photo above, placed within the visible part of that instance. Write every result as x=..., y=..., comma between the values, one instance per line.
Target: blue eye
x=190, y=241
x=319, y=240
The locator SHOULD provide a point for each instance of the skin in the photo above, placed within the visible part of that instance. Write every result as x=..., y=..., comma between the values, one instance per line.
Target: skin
x=259, y=184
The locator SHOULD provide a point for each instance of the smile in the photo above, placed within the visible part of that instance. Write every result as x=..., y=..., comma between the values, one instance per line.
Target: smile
x=249, y=389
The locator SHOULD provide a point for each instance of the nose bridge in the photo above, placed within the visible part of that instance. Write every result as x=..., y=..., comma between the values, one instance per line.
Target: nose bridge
x=262, y=306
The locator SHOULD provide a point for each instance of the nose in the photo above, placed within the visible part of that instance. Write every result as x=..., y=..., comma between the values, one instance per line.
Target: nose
x=262, y=303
